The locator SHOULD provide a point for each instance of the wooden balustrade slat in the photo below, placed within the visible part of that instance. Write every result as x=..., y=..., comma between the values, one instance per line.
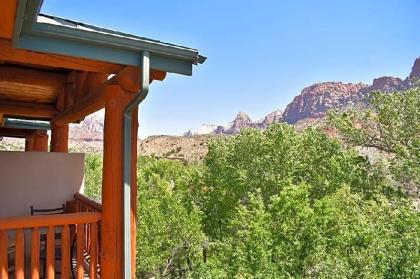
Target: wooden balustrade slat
x=35, y=254
x=3, y=255
x=93, y=251
x=79, y=250
x=49, y=220
x=87, y=238
x=50, y=263
x=65, y=252
x=19, y=255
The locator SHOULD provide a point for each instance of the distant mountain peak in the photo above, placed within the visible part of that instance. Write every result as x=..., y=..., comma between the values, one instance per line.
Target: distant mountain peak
x=415, y=70
x=242, y=115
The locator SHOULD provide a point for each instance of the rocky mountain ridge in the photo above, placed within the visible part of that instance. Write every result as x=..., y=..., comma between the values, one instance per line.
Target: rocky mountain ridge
x=314, y=101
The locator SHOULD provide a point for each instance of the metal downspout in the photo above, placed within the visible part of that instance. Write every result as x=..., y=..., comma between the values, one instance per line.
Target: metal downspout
x=144, y=90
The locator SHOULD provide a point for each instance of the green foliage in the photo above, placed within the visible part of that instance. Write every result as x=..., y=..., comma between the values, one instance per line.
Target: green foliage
x=169, y=234
x=338, y=236
x=93, y=176
x=247, y=250
x=277, y=204
x=358, y=238
x=390, y=125
x=276, y=158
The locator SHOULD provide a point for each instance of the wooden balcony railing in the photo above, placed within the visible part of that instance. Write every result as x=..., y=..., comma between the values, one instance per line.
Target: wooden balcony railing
x=17, y=232
x=81, y=204
x=85, y=204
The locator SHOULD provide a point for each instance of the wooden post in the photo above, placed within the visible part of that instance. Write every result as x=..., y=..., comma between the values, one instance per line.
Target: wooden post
x=37, y=141
x=59, y=138
x=112, y=189
x=40, y=142
x=29, y=143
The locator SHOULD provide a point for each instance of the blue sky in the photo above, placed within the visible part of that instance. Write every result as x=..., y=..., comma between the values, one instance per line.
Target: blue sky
x=260, y=53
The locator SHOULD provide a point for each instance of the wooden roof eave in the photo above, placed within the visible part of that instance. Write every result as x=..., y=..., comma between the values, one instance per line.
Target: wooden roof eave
x=98, y=44
x=40, y=45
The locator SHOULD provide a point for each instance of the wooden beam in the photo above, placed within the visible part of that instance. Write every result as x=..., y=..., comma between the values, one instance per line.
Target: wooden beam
x=12, y=55
x=88, y=104
x=79, y=85
x=30, y=85
x=93, y=81
x=1, y=119
x=32, y=77
x=15, y=133
x=128, y=79
x=28, y=222
x=70, y=90
x=7, y=18
x=28, y=110
x=60, y=104
x=83, y=107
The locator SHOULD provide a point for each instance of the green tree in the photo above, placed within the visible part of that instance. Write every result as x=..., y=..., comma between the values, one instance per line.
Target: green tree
x=391, y=124
x=273, y=159
x=169, y=234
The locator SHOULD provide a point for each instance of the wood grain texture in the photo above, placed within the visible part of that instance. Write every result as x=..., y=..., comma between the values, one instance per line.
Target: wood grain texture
x=35, y=254
x=19, y=255
x=65, y=252
x=26, y=109
x=50, y=261
x=30, y=85
x=59, y=138
x=111, y=230
x=7, y=18
x=80, y=239
x=40, y=143
x=93, y=251
x=3, y=255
